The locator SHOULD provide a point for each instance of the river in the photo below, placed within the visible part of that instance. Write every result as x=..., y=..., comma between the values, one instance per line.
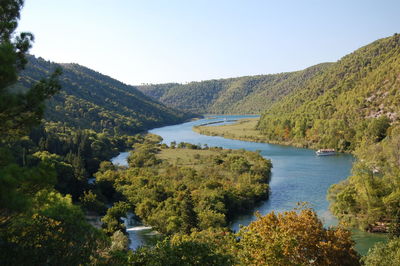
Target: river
x=298, y=175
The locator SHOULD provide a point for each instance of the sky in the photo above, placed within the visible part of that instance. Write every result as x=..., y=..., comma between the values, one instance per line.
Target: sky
x=160, y=41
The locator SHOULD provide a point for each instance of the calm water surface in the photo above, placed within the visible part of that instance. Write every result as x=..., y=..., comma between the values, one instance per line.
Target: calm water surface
x=298, y=175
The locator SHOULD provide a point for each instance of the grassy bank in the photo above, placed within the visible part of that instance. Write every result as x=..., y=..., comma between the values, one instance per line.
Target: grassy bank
x=186, y=157
x=243, y=129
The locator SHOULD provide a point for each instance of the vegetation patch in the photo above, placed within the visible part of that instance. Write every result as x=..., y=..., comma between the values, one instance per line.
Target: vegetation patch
x=370, y=197
x=243, y=129
x=241, y=95
x=291, y=238
x=195, y=158
x=178, y=189
x=90, y=100
x=356, y=99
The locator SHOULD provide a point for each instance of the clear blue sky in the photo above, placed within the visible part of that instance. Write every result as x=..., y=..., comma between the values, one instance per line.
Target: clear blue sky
x=157, y=41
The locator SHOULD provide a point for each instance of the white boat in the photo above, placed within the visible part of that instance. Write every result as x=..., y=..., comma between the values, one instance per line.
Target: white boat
x=325, y=152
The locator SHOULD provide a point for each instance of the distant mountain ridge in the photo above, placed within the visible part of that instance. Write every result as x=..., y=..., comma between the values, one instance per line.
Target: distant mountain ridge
x=242, y=95
x=91, y=100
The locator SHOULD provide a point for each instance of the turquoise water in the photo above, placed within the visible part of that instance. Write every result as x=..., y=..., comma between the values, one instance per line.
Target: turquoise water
x=298, y=175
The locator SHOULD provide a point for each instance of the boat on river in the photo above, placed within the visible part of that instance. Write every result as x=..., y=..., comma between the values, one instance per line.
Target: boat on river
x=325, y=152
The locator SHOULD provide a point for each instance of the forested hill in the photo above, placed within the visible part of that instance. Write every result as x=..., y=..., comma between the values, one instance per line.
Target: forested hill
x=90, y=100
x=354, y=100
x=250, y=94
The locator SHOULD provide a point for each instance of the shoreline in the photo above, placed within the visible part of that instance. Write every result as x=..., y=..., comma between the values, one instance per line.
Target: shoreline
x=204, y=129
x=231, y=131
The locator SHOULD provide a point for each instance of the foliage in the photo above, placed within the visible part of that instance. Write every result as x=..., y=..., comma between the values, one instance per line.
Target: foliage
x=90, y=100
x=250, y=94
x=295, y=238
x=221, y=241
x=174, y=196
x=75, y=154
x=38, y=225
x=372, y=192
x=53, y=232
x=184, y=252
x=290, y=238
x=90, y=202
x=384, y=254
x=244, y=129
x=352, y=105
x=354, y=100
x=18, y=185
x=119, y=241
x=112, y=220
x=337, y=105
x=19, y=111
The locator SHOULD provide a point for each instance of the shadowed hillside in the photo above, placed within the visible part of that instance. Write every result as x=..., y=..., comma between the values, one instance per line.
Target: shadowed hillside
x=91, y=100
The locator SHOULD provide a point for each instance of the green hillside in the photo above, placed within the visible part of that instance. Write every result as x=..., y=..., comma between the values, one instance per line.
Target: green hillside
x=354, y=100
x=250, y=94
x=353, y=106
x=90, y=100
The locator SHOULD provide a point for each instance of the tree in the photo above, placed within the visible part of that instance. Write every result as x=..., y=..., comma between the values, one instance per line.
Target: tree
x=38, y=226
x=188, y=215
x=185, y=252
x=371, y=194
x=19, y=112
x=52, y=232
x=295, y=238
x=384, y=254
x=112, y=220
x=90, y=202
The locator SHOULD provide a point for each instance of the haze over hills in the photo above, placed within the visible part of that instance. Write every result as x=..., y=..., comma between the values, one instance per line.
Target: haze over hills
x=242, y=95
x=90, y=100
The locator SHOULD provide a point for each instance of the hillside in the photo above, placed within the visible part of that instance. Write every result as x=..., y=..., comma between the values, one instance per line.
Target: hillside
x=353, y=106
x=250, y=94
x=90, y=100
x=354, y=100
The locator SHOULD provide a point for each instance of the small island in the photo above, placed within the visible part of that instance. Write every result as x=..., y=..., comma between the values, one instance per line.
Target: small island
x=186, y=186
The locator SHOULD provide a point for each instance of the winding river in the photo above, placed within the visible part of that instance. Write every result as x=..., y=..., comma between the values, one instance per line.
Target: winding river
x=298, y=175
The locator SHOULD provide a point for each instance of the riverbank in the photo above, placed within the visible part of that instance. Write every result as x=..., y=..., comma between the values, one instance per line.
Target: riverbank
x=297, y=174
x=186, y=186
x=243, y=129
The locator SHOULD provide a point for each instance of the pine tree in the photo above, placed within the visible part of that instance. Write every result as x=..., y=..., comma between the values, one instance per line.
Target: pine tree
x=18, y=112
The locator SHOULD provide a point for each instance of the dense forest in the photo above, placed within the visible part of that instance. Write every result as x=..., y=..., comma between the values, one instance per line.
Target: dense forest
x=353, y=105
x=177, y=189
x=90, y=100
x=58, y=123
x=356, y=99
x=243, y=95
x=370, y=197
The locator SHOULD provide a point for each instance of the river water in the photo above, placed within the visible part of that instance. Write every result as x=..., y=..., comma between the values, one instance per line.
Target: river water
x=298, y=175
